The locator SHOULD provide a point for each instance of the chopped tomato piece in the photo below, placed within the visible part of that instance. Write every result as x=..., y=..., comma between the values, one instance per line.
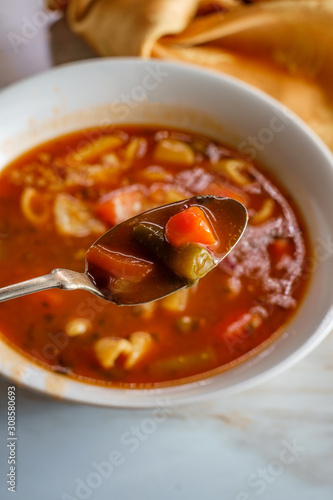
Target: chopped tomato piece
x=231, y=322
x=121, y=205
x=237, y=327
x=189, y=226
x=119, y=265
x=226, y=192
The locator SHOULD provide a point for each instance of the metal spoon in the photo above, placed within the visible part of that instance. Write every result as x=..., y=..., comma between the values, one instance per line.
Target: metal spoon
x=225, y=212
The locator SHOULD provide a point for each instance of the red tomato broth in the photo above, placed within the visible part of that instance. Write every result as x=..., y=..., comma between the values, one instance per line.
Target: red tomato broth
x=262, y=271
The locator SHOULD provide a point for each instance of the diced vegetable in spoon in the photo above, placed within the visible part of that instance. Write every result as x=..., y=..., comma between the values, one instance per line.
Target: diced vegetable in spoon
x=152, y=254
x=165, y=249
x=190, y=226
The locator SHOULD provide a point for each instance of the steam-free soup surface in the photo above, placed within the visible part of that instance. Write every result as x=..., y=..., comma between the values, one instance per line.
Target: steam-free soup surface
x=57, y=199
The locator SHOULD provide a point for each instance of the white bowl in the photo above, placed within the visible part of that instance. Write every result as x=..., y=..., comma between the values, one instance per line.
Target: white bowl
x=98, y=92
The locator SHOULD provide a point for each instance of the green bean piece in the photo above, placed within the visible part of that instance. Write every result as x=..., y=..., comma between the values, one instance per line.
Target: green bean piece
x=191, y=262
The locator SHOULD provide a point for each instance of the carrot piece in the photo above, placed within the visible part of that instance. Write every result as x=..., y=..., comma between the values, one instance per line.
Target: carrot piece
x=118, y=265
x=189, y=226
x=120, y=205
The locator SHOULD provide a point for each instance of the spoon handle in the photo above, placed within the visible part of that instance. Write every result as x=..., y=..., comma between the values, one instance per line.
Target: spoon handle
x=29, y=286
x=58, y=278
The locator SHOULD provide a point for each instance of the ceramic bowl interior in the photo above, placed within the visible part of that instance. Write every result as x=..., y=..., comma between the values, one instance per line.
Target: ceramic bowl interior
x=101, y=92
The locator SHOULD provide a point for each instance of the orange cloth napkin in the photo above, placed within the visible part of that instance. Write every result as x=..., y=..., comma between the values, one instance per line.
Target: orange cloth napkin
x=284, y=47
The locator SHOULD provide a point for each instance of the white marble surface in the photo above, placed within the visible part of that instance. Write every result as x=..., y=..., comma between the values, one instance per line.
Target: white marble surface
x=273, y=442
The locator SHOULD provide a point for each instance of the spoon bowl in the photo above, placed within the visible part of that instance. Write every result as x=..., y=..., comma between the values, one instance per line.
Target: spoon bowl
x=228, y=217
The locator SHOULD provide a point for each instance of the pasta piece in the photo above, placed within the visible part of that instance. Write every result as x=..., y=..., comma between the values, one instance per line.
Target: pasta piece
x=35, y=207
x=176, y=301
x=108, y=349
x=73, y=218
x=155, y=173
x=171, y=196
x=111, y=159
x=174, y=151
x=234, y=285
x=102, y=173
x=265, y=212
x=89, y=175
x=234, y=168
x=162, y=194
x=146, y=310
x=45, y=158
x=187, y=324
x=77, y=326
x=136, y=148
x=96, y=148
x=140, y=342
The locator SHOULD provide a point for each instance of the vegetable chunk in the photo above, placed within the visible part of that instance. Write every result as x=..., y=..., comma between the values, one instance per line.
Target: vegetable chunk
x=190, y=226
x=73, y=218
x=109, y=349
x=58, y=200
x=174, y=151
x=92, y=150
x=191, y=262
x=122, y=204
